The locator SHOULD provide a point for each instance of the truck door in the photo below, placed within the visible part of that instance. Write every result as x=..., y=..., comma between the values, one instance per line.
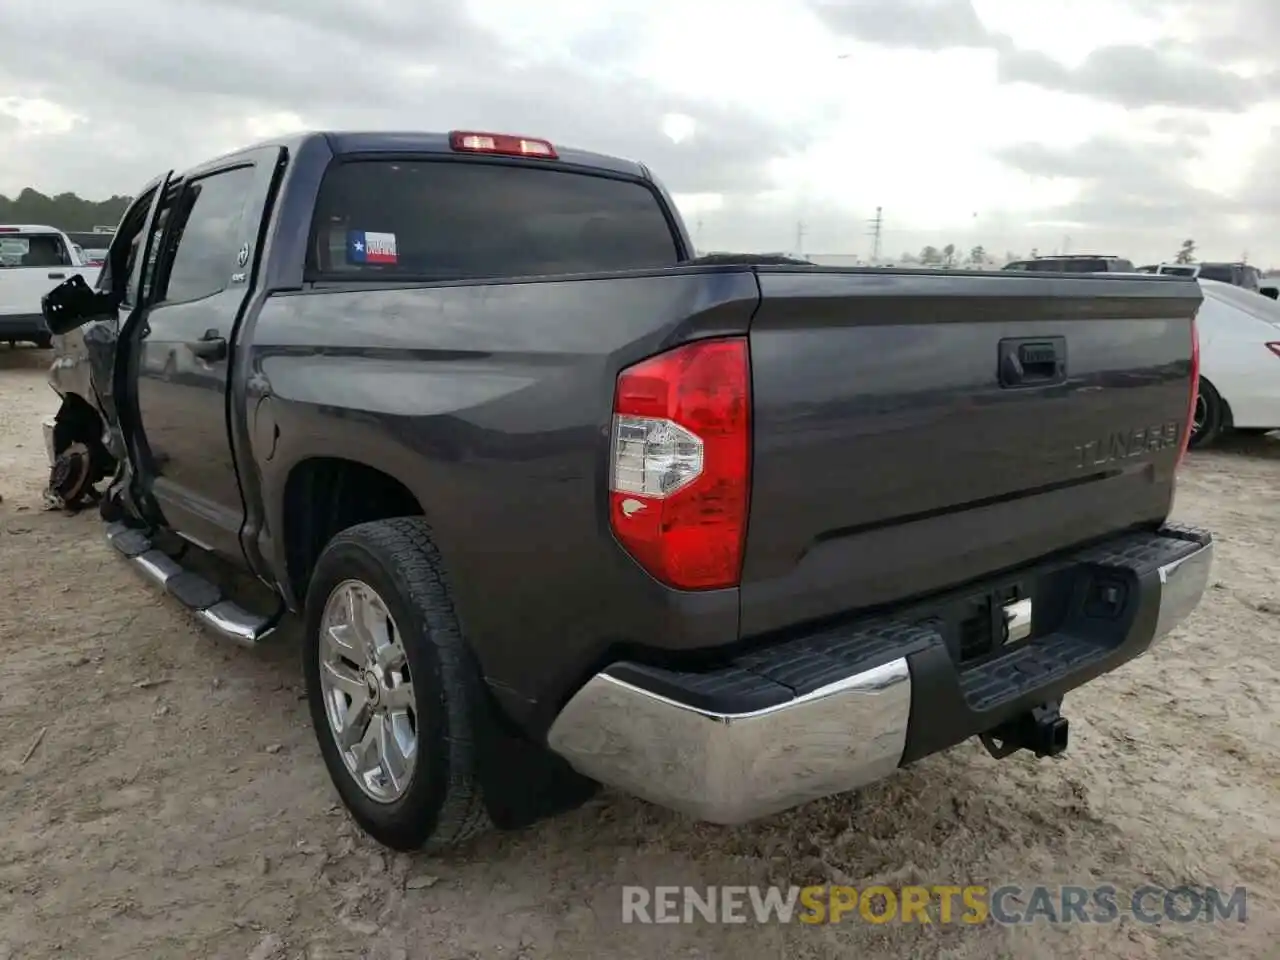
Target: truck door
x=181, y=349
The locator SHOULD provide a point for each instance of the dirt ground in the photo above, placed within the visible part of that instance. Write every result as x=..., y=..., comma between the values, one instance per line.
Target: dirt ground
x=161, y=794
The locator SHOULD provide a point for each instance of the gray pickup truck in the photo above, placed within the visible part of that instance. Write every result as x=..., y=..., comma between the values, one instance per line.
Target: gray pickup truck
x=561, y=504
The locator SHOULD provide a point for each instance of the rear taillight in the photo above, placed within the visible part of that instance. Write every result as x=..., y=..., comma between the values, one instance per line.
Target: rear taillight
x=1195, y=389
x=1274, y=347
x=680, y=463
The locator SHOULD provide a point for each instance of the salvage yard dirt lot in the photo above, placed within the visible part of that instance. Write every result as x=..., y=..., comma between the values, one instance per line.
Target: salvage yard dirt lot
x=161, y=794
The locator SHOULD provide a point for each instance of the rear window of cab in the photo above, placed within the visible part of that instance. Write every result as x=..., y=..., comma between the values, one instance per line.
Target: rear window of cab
x=459, y=220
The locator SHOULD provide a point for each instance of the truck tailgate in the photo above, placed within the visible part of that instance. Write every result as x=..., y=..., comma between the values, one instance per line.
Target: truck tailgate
x=914, y=431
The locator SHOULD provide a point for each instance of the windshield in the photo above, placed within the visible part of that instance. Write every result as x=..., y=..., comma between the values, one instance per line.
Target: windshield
x=33, y=250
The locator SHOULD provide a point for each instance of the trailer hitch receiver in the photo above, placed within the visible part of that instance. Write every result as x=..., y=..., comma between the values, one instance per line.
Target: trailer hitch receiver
x=1043, y=730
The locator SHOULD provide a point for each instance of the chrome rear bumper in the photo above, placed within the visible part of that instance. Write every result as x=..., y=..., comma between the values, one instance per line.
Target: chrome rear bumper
x=731, y=768
x=734, y=767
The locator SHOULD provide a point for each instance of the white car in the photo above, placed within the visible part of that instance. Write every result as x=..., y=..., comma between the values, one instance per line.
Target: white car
x=33, y=260
x=1239, y=363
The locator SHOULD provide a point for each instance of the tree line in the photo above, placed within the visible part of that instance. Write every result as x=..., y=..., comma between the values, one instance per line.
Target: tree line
x=66, y=211
x=951, y=256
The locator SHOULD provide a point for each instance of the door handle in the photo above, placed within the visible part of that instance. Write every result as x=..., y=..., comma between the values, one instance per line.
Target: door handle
x=212, y=346
x=57, y=276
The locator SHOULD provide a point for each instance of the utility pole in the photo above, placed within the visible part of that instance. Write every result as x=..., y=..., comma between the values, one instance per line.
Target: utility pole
x=697, y=239
x=800, y=239
x=876, y=223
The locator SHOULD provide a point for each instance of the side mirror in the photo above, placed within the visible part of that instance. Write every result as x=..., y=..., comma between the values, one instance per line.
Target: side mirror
x=71, y=303
x=1272, y=292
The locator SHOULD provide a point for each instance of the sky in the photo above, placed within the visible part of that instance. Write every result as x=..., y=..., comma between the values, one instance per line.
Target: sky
x=1087, y=126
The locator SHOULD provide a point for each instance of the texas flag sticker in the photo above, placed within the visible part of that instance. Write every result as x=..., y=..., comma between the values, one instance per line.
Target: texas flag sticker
x=364, y=246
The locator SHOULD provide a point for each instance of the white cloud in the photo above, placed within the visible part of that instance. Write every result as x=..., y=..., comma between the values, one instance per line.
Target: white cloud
x=1128, y=123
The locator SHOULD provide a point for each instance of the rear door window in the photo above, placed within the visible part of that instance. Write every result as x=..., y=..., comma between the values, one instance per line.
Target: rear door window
x=459, y=220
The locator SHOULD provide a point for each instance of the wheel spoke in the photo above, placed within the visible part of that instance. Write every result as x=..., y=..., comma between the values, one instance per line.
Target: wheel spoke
x=345, y=679
x=394, y=763
x=342, y=642
x=368, y=620
x=400, y=697
x=390, y=656
x=367, y=752
x=355, y=722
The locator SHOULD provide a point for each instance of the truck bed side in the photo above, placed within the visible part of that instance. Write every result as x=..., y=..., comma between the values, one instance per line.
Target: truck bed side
x=491, y=404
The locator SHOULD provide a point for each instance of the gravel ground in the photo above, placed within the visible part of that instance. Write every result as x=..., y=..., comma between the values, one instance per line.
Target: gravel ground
x=162, y=795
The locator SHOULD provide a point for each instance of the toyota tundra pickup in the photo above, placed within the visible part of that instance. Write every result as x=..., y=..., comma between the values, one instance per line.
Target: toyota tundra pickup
x=560, y=504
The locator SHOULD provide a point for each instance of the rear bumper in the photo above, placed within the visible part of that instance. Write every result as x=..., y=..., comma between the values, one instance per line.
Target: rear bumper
x=833, y=711
x=23, y=326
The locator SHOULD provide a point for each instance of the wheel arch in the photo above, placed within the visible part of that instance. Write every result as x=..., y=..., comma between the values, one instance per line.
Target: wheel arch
x=322, y=495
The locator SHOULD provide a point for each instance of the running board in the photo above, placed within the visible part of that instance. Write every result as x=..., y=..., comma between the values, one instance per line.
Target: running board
x=200, y=596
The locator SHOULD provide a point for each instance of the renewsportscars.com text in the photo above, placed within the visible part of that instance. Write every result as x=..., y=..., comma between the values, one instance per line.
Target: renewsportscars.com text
x=1009, y=904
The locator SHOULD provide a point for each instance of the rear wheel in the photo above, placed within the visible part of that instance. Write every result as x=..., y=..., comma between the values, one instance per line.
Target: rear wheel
x=1209, y=421
x=394, y=692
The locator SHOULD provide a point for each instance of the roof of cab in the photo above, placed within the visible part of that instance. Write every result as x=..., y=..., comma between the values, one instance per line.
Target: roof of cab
x=411, y=142
x=390, y=141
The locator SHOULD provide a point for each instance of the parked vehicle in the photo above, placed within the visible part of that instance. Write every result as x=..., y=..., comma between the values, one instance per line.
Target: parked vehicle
x=95, y=244
x=33, y=260
x=1239, y=363
x=1073, y=263
x=1237, y=274
x=561, y=504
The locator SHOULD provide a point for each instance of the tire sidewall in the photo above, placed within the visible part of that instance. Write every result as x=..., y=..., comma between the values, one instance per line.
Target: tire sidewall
x=1213, y=417
x=407, y=822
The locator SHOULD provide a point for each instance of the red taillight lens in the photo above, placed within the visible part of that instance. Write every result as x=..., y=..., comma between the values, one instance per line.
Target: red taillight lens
x=1195, y=389
x=466, y=141
x=680, y=463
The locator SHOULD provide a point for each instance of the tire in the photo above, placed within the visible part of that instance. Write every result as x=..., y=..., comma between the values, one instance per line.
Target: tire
x=441, y=805
x=1211, y=418
x=44, y=341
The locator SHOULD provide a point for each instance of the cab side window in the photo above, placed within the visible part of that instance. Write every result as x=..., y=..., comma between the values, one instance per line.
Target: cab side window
x=201, y=247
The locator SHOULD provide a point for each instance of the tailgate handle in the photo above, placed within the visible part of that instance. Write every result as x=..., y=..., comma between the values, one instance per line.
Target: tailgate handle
x=57, y=276
x=1033, y=361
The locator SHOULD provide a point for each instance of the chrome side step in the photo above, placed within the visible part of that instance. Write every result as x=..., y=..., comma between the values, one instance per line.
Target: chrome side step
x=200, y=596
